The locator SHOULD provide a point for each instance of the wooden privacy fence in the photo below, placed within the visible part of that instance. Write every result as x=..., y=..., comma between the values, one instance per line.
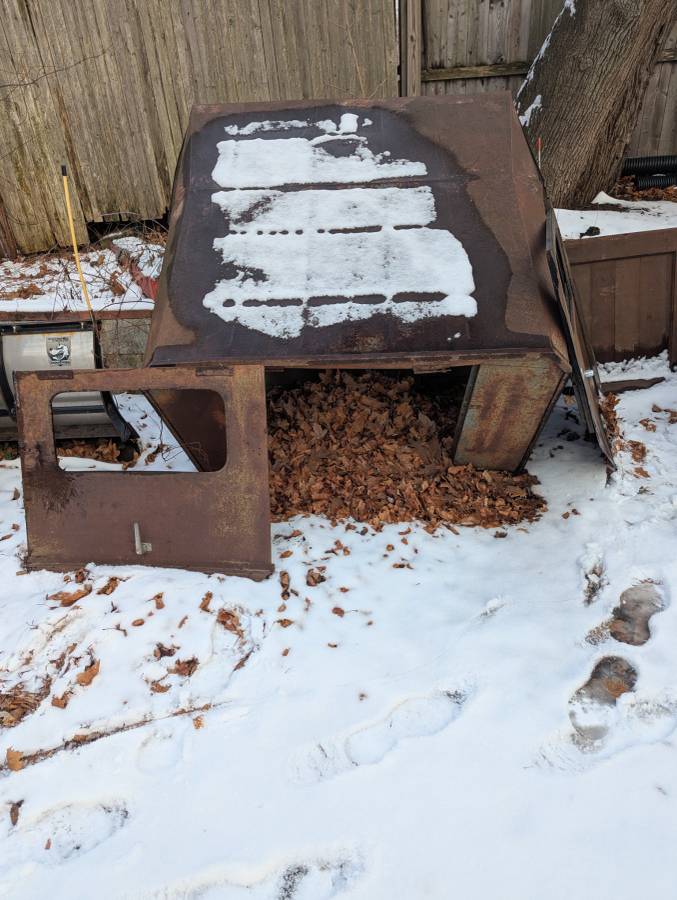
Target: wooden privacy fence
x=627, y=284
x=106, y=87
x=470, y=46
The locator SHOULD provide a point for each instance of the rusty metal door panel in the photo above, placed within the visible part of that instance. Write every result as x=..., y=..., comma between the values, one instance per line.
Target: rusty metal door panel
x=584, y=367
x=505, y=406
x=216, y=521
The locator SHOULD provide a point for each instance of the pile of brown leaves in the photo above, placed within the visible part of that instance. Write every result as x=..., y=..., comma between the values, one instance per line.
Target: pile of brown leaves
x=18, y=702
x=103, y=450
x=624, y=189
x=377, y=448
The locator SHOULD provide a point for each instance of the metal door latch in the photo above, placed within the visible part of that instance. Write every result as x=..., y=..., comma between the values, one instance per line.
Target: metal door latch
x=140, y=546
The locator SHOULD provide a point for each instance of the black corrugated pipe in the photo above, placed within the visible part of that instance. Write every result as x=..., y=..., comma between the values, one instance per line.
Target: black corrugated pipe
x=644, y=182
x=649, y=165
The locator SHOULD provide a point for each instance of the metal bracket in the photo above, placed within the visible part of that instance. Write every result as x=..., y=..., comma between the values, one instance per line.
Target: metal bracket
x=140, y=546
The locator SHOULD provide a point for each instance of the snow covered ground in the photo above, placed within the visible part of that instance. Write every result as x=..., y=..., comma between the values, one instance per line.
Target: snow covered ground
x=50, y=282
x=630, y=216
x=393, y=732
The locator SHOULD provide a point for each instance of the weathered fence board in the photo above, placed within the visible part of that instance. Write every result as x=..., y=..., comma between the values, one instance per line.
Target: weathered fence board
x=106, y=87
x=627, y=285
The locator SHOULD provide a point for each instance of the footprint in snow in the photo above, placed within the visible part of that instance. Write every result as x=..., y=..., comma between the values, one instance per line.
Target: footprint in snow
x=630, y=622
x=412, y=718
x=64, y=832
x=319, y=879
x=592, y=572
x=592, y=709
x=161, y=749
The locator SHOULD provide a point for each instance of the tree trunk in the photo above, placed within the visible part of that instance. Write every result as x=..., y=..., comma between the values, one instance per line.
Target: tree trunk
x=583, y=93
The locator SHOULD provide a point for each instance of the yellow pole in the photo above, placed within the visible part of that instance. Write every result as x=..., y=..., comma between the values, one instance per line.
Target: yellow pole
x=69, y=210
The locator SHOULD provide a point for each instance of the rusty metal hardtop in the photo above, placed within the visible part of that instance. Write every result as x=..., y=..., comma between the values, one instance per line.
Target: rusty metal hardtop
x=283, y=212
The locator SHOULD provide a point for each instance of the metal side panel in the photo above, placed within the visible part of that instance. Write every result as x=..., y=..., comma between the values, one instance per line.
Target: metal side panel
x=584, y=366
x=496, y=431
x=54, y=350
x=208, y=521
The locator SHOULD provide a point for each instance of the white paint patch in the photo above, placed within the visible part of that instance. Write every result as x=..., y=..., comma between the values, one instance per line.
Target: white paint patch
x=290, y=255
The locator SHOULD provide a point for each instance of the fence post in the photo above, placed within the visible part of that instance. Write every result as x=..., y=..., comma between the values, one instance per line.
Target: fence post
x=411, y=47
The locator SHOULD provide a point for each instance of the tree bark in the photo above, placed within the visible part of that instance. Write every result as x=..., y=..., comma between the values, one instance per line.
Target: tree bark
x=583, y=93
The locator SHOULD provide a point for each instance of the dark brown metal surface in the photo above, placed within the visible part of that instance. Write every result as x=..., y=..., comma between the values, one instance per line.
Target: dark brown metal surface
x=215, y=521
x=487, y=193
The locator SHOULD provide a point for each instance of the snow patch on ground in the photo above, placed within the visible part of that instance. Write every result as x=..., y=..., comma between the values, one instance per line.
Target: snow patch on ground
x=632, y=216
x=418, y=744
x=642, y=367
x=50, y=283
x=146, y=254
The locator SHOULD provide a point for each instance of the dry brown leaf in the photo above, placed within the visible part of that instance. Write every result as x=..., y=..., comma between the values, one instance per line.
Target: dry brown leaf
x=230, y=621
x=16, y=494
x=137, y=623
x=110, y=585
x=198, y=722
x=206, y=600
x=285, y=623
x=159, y=602
x=14, y=812
x=314, y=577
x=68, y=598
x=338, y=611
x=161, y=650
x=87, y=676
x=115, y=286
x=48, y=844
x=185, y=667
x=14, y=760
x=286, y=554
x=158, y=688
x=62, y=701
